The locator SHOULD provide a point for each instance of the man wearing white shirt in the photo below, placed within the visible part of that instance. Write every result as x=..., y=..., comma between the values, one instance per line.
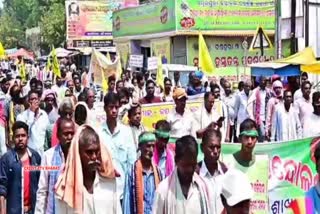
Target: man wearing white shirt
x=311, y=127
x=180, y=119
x=59, y=88
x=286, y=125
x=211, y=169
x=298, y=93
x=205, y=117
x=230, y=101
x=37, y=121
x=242, y=103
x=304, y=105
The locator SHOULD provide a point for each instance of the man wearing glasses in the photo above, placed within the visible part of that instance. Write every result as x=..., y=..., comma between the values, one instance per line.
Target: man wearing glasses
x=37, y=121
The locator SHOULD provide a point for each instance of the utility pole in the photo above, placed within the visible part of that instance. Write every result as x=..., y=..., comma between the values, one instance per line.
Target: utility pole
x=293, y=27
x=278, y=42
x=306, y=20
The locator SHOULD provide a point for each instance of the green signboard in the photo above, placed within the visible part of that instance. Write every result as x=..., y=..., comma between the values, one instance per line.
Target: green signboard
x=225, y=15
x=228, y=54
x=147, y=19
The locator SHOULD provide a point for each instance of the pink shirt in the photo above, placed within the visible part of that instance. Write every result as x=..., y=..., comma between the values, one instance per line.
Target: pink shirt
x=270, y=112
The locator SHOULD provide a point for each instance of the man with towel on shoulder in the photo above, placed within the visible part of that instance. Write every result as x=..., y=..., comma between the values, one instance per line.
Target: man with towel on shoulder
x=88, y=183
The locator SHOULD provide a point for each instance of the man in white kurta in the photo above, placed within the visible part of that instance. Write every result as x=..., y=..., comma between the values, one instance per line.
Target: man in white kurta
x=312, y=122
x=180, y=119
x=286, y=125
x=209, y=114
x=242, y=104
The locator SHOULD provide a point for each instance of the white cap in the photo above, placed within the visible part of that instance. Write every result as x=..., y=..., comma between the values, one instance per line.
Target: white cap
x=236, y=187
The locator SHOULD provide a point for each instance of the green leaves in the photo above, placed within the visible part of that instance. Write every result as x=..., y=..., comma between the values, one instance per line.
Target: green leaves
x=53, y=25
x=19, y=15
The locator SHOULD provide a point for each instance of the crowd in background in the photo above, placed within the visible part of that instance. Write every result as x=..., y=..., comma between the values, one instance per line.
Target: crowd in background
x=121, y=167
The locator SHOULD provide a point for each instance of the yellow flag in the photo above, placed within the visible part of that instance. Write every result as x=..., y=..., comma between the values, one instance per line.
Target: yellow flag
x=104, y=83
x=48, y=65
x=22, y=70
x=119, y=68
x=2, y=51
x=55, y=63
x=205, y=61
x=160, y=73
x=108, y=56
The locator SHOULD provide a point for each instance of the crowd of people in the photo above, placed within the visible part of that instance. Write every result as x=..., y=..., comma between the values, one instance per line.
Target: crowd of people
x=55, y=158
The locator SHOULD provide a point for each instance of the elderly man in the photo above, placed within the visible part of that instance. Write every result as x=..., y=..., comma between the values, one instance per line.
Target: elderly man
x=87, y=184
x=54, y=157
x=51, y=105
x=37, y=120
x=184, y=191
x=180, y=119
x=142, y=174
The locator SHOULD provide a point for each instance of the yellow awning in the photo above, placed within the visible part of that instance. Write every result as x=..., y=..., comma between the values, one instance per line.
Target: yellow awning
x=304, y=57
x=313, y=68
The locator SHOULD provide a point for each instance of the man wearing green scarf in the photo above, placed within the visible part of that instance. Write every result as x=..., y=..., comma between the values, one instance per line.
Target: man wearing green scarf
x=254, y=166
x=142, y=179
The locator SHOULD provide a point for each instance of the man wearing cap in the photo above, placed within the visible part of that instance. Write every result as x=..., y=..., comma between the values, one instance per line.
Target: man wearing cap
x=142, y=179
x=236, y=192
x=180, y=119
x=254, y=166
x=196, y=86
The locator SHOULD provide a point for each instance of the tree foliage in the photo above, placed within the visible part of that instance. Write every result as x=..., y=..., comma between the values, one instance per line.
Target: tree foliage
x=53, y=25
x=19, y=15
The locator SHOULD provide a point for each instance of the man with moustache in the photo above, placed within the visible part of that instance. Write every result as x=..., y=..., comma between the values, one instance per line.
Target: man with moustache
x=211, y=169
x=142, y=179
x=87, y=184
x=56, y=157
x=184, y=191
x=18, y=190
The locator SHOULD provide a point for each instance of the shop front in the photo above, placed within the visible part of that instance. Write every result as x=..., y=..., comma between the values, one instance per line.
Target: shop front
x=170, y=29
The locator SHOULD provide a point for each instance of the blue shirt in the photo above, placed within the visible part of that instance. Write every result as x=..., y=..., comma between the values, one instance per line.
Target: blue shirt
x=11, y=180
x=314, y=195
x=149, y=186
x=122, y=149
